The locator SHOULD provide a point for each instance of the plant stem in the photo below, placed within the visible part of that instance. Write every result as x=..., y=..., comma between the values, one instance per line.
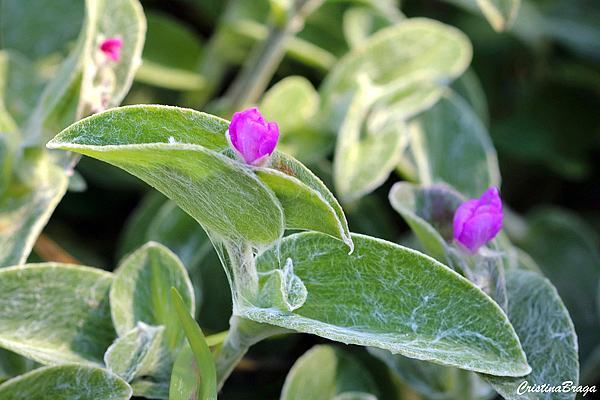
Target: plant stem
x=242, y=334
x=265, y=57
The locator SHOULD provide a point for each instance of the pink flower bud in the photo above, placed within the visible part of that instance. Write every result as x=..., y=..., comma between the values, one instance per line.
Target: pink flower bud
x=112, y=47
x=252, y=136
x=478, y=221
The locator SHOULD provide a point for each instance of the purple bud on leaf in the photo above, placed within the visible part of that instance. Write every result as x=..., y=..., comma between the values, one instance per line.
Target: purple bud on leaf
x=478, y=221
x=112, y=47
x=252, y=136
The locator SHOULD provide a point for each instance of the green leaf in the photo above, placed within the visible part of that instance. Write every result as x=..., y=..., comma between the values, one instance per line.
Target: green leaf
x=178, y=152
x=338, y=373
x=25, y=209
x=202, y=354
x=501, y=14
x=415, y=50
x=306, y=201
x=85, y=81
x=450, y=144
x=556, y=238
x=56, y=313
x=395, y=74
x=185, y=379
x=162, y=221
x=394, y=298
x=547, y=334
x=429, y=211
x=362, y=22
x=66, y=382
x=141, y=292
x=38, y=28
x=197, y=171
x=434, y=381
x=140, y=357
x=361, y=164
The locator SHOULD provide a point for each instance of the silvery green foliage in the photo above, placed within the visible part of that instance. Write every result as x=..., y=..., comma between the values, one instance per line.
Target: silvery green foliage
x=400, y=292
x=368, y=96
x=32, y=182
x=551, y=346
x=66, y=382
x=56, y=313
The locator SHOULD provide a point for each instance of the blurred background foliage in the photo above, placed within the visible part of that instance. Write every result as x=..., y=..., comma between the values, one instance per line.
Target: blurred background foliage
x=536, y=87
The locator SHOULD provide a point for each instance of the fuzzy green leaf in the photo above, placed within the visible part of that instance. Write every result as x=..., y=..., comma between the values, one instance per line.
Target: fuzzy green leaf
x=184, y=154
x=395, y=298
x=141, y=292
x=66, y=382
x=25, y=210
x=395, y=74
x=56, y=313
x=551, y=346
x=141, y=358
x=84, y=81
x=450, y=144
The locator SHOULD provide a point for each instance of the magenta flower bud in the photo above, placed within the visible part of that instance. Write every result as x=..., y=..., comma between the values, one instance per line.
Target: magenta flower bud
x=112, y=47
x=478, y=221
x=252, y=136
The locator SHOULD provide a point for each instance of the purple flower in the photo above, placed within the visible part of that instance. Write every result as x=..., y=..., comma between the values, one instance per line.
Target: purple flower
x=112, y=47
x=478, y=221
x=252, y=136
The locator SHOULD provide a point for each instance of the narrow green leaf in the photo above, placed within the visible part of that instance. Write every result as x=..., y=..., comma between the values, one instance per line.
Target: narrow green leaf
x=551, y=345
x=338, y=373
x=450, y=144
x=501, y=14
x=141, y=292
x=202, y=354
x=178, y=152
x=56, y=313
x=66, y=382
x=394, y=298
x=185, y=379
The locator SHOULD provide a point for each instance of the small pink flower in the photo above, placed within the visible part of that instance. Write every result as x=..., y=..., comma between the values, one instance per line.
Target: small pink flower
x=112, y=47
x=252, y=136
x=478, y=221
